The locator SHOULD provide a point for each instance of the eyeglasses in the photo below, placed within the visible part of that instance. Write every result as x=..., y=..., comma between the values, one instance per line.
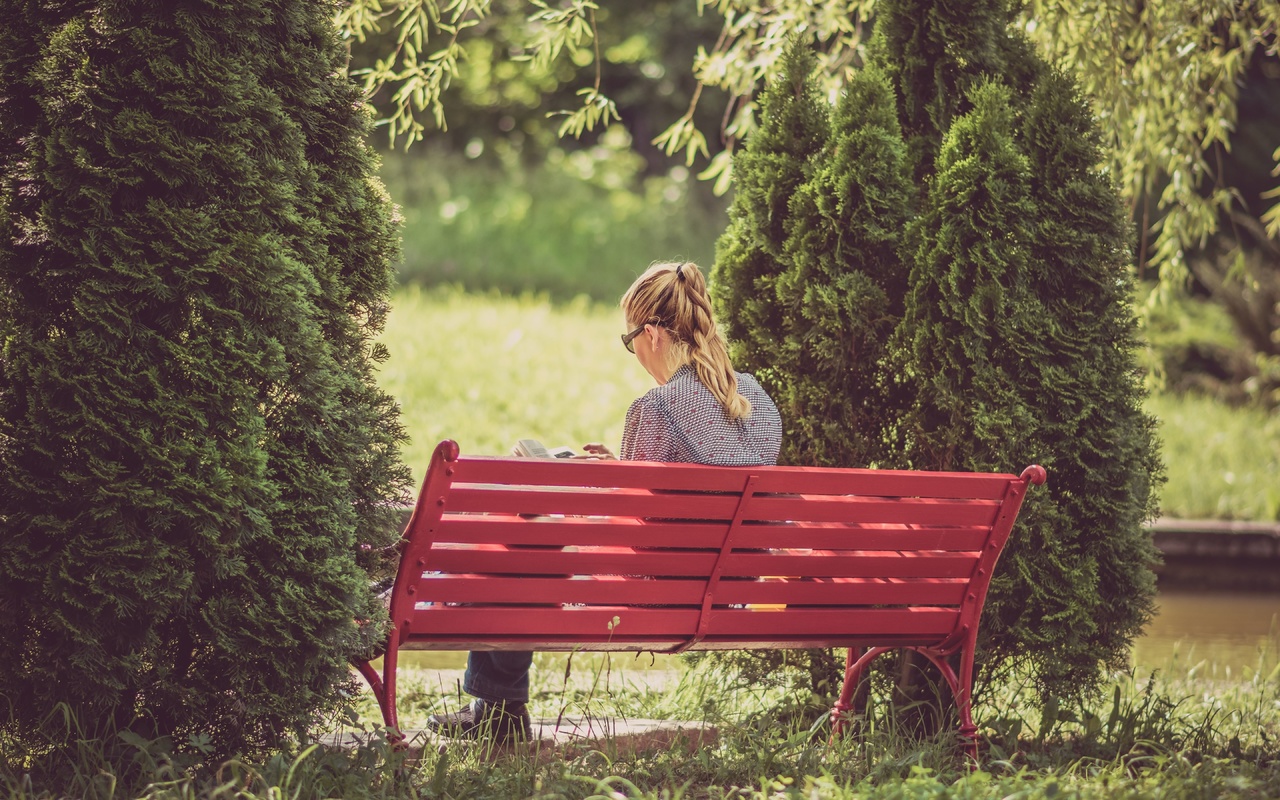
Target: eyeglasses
x=628, y=339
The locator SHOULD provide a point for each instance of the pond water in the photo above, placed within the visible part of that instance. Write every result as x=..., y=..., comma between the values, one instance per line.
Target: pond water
x=1229, y=634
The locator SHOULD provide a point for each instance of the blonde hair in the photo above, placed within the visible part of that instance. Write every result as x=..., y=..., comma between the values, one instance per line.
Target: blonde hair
x=675, y=293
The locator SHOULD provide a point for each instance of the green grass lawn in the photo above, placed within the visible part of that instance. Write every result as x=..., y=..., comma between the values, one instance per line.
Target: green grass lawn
x=1170, y=733
x=1222, y=463
x=488, y=370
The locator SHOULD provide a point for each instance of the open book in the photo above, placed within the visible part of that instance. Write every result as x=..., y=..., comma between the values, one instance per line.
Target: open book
x=532, y=448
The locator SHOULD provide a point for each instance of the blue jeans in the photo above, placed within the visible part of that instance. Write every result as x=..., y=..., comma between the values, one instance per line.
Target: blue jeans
x=495, y=676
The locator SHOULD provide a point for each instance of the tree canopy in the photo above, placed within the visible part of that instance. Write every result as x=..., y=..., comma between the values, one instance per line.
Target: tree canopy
x=1164, y=78
x=1187, y=94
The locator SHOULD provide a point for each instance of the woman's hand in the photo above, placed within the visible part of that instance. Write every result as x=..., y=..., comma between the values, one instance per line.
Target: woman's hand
x=597, y=451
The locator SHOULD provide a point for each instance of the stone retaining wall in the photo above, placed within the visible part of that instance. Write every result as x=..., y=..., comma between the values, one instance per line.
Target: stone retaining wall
x=1215, y=554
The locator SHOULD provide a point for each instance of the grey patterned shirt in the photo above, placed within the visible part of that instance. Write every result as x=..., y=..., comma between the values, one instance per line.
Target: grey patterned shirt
x=682, y=421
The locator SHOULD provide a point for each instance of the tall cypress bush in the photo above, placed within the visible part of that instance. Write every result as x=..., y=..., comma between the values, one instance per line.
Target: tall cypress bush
x=841, y=284
x=809, y=280
x=1017, y=338
x=194, y=259
x=1075, y=586
x=935, y=54
x=964, y=336
x=749, y=254
x=1078, y=586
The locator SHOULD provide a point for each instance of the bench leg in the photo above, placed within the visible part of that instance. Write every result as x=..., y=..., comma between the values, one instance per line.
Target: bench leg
x=962, y=690
x=373, y=679
x=961, y=687
x=384, y=691
x=388, y=700
x=964, y=698
x=856, y=662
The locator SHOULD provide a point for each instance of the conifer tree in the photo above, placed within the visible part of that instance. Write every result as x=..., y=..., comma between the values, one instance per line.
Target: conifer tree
x=1022, y=344
x=1077, y=585
x=970, y=306
x=840, y=292
x=810, y=280
x=195, y=256
x=750, y=253
x=935, y=54
x=1016, y=338
x=969, y=313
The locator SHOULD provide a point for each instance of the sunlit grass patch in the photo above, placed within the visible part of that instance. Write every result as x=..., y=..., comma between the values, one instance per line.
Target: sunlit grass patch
x=1222, y=462
x=486, y=370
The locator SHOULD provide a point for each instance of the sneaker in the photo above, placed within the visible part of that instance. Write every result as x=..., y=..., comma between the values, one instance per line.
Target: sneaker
x=504, y=722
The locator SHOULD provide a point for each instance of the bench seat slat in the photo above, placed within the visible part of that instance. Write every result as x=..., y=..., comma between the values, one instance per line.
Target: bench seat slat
x=612, y=590
x=809, y=480
x=837, y=564
x=541, y=530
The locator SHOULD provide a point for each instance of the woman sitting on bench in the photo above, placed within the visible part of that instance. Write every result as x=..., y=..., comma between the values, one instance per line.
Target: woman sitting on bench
x=701, y=412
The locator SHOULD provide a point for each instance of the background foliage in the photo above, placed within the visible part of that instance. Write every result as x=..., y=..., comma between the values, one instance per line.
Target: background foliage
x=581, y=222
x=1187, y=94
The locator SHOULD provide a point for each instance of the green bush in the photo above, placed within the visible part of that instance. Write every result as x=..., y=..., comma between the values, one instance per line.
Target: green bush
x=1016, y=340
x=842, y=292
x=582, y=223
x=767, y=173
x=195, y=256
x=1022, y=350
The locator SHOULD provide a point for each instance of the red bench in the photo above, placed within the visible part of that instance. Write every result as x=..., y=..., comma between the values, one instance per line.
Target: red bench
x=537, y=554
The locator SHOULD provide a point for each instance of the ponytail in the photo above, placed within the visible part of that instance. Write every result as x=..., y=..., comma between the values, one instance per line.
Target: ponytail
x=676, y=293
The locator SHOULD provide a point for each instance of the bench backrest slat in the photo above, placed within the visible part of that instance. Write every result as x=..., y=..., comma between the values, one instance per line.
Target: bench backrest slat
x=590, y=502
x=594, y=501
x=598, y=624
x=613, y=589
x=624, y=561
x=876, y=510
x=699, y=478
x=694, y=534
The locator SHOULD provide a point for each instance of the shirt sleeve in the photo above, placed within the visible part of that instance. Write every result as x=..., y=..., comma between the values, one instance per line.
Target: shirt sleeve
x=647, y=433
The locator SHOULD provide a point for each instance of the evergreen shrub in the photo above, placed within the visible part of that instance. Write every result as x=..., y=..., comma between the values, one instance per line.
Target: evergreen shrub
x=195, y=257
x=984, y=310
x=793, y=126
